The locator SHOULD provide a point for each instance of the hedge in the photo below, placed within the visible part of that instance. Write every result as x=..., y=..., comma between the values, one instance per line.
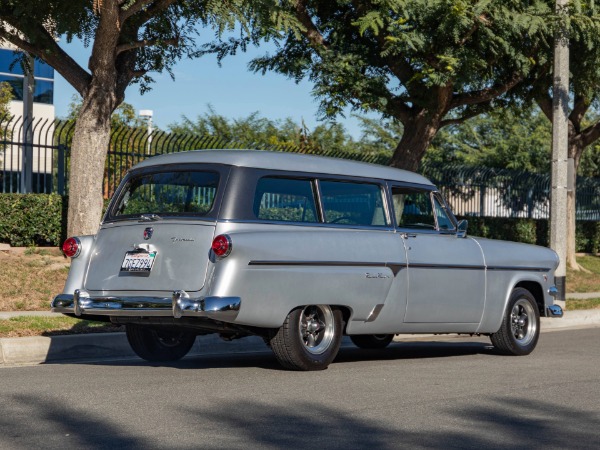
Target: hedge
x=32, y=219
x=40, y=219
x=532, y=231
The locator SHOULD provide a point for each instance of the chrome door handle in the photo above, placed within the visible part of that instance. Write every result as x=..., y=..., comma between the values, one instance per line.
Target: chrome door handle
x=407, y=235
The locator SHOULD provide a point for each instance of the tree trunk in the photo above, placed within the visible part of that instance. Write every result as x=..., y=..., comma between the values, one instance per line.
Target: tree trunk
x=571, y=233
x=417, y=136
x=575, y=152
x=88, y=156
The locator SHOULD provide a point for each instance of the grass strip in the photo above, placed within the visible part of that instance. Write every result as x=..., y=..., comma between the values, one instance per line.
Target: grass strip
x=580, y=281
x=22, y=326
x=588, y=303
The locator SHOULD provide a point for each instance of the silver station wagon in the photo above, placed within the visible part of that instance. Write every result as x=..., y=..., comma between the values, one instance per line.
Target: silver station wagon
x=299, y=250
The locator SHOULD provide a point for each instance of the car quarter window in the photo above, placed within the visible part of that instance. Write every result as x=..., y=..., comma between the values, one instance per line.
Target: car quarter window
x=443, y=220
x=352, y=203
x=285, y=199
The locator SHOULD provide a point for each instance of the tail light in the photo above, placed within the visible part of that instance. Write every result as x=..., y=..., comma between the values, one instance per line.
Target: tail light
x=72, y=247
x=221, y=245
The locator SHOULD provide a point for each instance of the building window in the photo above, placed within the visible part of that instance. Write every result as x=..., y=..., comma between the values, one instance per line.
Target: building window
x=12, y=73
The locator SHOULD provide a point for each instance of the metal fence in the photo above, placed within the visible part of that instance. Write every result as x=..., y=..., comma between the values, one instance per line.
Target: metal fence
x=34, y=157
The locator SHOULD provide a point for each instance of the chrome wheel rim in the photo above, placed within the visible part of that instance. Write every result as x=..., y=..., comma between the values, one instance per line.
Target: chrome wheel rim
x=522, y=322
x=317, y=328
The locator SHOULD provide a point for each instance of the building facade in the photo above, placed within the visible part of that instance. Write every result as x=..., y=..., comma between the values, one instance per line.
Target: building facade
x=26, y=161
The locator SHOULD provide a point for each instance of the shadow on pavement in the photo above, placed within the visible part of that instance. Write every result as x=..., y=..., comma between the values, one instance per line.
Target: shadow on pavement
x=30, y=421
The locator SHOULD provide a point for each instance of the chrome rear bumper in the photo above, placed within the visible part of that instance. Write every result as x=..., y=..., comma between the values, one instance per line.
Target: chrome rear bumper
x=178, y=305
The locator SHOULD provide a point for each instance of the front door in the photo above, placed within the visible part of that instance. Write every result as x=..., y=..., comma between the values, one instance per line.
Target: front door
x=446, y=273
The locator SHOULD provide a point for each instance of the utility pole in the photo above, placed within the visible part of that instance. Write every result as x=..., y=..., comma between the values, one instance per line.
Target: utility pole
x=560, y=156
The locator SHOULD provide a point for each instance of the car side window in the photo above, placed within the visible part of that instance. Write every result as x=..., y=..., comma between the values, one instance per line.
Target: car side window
x=412, y=208
x=352, y=203
x=285, y=200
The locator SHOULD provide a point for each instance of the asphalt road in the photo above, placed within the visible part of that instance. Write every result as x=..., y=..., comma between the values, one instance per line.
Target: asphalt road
x=446, y=393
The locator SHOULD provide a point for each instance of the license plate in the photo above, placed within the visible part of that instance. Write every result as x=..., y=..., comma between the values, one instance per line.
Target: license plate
x=136, y=261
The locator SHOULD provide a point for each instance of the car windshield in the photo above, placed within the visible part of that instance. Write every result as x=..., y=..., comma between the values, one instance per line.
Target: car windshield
x=168, y=193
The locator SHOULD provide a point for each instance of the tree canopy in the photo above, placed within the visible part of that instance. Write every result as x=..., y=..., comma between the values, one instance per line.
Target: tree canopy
x=425, y=63
x=129, y=40
x=258, y=130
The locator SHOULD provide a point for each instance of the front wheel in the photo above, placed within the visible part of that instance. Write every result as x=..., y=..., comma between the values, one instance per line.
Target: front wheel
x=520, y=329
x=158, y=345
x=372, y=341
x=309, y=339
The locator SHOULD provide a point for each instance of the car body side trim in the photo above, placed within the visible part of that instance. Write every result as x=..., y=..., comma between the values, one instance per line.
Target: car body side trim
x=394, y=267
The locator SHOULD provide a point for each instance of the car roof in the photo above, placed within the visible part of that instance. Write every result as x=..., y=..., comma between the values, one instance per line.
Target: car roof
x=293, y=162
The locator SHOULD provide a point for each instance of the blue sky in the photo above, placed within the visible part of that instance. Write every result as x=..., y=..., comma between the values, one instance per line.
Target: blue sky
x=232, y=90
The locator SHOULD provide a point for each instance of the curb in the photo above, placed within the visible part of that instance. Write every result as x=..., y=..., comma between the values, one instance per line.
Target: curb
x=96, y=346
x=86, y=347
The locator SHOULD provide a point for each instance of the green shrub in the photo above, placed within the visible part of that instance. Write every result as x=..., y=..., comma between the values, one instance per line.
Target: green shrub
x=32, y=219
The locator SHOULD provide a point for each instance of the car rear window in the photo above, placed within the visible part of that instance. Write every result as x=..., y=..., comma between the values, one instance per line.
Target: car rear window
x=168, y=193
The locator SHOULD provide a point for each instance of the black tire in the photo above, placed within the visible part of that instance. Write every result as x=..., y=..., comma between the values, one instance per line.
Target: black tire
x=372, y=341
x=157, y=345
x=309, y=339
x=520, y=329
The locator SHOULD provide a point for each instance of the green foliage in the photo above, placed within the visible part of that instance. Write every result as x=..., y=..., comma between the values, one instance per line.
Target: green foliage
x=123, y=116
x=375, y=55
x=32, y=219
x=588, y=237
x=532, y=231
x=6, y=95
x=258, y=131
x=511, y=138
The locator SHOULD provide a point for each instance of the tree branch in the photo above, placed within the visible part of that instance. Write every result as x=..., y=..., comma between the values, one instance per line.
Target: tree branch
x=469, y=113
x=133, y=9
x=580, y=107
x=485, y=95
x=51, y=53
x=145, y=43
x=591, y=134
x=545, y=104
x=146, y=14
x=313, y=35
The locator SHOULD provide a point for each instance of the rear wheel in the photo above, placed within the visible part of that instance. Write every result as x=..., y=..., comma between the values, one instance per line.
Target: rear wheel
x=372, y=340
x=158, y=345
x=520, y=329
x=309, y=339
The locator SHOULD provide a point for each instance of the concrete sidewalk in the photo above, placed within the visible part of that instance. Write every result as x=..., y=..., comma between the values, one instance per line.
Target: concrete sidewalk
x=89, y=347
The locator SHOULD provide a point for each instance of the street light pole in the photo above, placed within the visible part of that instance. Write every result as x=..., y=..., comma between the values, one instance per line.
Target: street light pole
x=147, y=114
x=27, y=138
x=560, y=160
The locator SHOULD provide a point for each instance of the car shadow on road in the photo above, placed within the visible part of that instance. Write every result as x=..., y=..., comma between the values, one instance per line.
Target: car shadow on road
x=265, y=359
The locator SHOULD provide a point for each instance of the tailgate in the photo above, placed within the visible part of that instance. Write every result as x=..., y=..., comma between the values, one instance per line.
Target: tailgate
x=175, y=256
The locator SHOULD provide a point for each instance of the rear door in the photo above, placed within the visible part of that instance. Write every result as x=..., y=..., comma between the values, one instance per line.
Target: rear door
x=158, y=231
